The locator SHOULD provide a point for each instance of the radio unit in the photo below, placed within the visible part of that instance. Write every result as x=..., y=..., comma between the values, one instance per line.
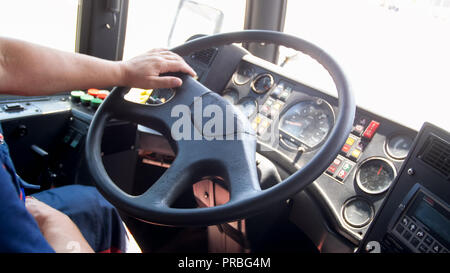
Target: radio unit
x=422, y=222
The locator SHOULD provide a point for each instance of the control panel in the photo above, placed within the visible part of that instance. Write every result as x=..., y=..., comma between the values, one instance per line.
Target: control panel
x=424, y=226
x=362, y=133
x=415, y=216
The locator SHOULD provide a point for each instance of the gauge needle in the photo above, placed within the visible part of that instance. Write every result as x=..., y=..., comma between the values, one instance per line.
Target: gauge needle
x=299, y=124
x=379, y=171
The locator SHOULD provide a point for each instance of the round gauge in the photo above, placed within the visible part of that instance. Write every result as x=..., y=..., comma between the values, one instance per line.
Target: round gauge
x=308, y=122
x=232, y=96
x=244, y=73
x=160, y=96
x=398, y=146
x=262, y=83
x=247, y=106
x=357, y=212
x=375, y=175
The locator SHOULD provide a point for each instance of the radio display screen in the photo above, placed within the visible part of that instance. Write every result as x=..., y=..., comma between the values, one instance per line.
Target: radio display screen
x=435, y=220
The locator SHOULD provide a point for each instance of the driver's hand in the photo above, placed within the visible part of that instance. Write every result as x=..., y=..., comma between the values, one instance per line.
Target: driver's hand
x=58, y=229
x=144, y=70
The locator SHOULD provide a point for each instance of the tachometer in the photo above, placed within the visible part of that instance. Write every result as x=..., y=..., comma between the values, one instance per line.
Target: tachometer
x=308, y=122
x=375, y=175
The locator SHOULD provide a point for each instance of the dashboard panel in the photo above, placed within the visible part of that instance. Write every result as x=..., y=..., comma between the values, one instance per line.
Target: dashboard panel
x=292, y=120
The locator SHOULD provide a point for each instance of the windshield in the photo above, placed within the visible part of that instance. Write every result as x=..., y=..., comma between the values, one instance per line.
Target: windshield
x=149, y=24
x=396, y=54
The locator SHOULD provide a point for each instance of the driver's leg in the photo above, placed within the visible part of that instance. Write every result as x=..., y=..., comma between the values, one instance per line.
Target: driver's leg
x=97, y=219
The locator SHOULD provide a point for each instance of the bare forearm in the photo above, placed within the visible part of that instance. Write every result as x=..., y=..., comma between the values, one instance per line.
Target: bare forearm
x=29, y=69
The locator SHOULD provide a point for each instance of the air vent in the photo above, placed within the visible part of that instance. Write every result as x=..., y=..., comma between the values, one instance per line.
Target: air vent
x=204, y=56
x=437, y=154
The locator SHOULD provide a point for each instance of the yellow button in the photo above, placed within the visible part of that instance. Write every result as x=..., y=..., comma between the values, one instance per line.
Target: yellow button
x=277, y=106
x=356, y=153
x=350, y=141
x=265, y=123
x=258, y=120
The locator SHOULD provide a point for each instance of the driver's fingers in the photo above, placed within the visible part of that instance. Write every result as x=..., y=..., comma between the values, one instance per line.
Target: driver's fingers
x=164, y=82
x=178, y=66
x=157, y=50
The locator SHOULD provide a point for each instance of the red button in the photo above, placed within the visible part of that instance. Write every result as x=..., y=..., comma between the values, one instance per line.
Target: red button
x=337, y=161
x=102, y=94
x=346, y=148
x=93, y=92
x=342, y=175
x=332, y=169
x=371, y=129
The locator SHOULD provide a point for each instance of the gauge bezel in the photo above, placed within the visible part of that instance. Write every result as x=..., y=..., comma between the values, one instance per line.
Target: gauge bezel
x=288, y=107
x=388, y=152
x=236, y=73
x=272, y=82
x=367, y=222
x=358, y=171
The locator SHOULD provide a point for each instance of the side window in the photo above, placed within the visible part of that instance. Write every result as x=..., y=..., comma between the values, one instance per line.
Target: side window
x=150, y=23
x=45, y=22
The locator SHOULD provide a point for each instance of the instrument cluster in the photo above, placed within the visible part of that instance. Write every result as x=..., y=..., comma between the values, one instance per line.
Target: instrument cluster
x=294, y=120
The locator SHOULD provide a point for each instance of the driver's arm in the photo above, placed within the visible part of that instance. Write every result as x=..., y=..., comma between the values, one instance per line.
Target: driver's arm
x=29, y=69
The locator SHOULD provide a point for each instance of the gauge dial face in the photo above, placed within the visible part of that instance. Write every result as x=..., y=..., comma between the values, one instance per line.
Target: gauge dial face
x=398, y=146
x=247, y=106
x=375, y=175
x=232, y=96
x=309, y=122
x=244, y=74
x=357, y=212
x=161, y=96
x=262, y=83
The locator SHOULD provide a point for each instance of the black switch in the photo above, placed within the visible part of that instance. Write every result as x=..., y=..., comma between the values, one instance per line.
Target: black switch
x=13, y=107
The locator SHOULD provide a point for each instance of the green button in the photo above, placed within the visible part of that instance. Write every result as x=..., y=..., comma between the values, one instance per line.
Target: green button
x=347, y=167
x=86, y=99
x=96, y=102
x=76, y=95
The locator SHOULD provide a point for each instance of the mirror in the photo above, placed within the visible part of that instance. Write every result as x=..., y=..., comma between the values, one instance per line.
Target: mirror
x=194, y=18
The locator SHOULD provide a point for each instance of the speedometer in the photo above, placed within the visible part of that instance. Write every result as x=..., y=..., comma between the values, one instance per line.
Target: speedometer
x=308, y=122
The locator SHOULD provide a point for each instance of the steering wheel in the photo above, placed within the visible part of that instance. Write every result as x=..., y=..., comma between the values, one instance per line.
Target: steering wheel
x=203, y=153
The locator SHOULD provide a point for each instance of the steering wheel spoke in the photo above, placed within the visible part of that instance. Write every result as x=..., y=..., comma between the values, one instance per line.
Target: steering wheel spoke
x=168, y=187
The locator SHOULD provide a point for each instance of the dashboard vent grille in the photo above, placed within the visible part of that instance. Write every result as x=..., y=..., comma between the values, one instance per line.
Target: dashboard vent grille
x=437, y=154
x=204, y=56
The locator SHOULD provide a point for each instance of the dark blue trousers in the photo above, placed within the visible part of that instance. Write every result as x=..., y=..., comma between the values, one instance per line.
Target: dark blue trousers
x=97, y=219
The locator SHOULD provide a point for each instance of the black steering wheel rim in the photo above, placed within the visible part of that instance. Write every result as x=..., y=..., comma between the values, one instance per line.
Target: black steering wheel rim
x=252, y=202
